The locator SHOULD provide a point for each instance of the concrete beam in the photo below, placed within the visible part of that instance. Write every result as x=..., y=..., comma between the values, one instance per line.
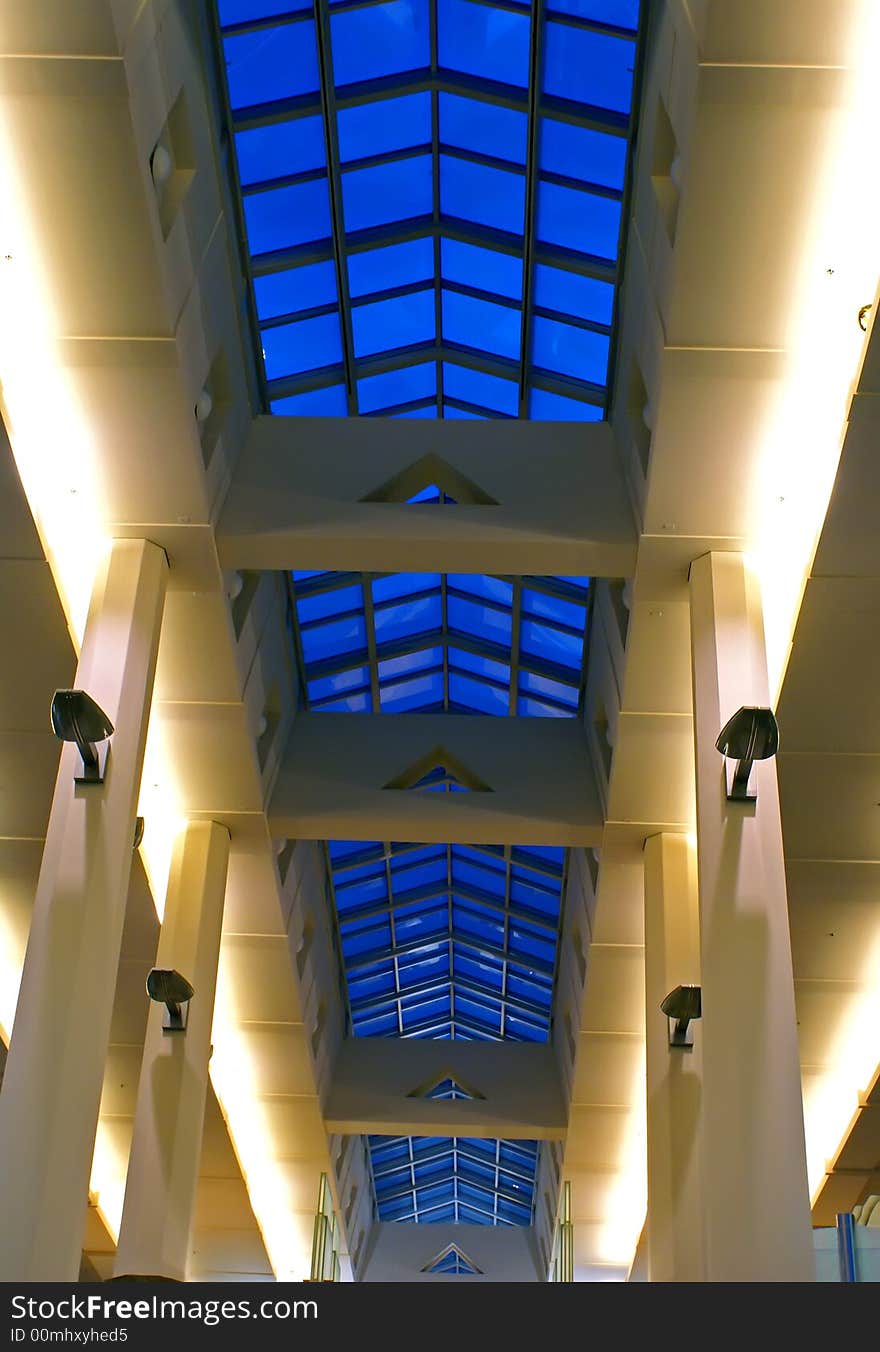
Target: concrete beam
x=541, y=785
x=295, y=499
x=374, y=1079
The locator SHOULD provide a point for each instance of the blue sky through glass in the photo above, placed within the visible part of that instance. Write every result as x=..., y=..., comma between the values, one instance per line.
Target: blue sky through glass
x=458, y=168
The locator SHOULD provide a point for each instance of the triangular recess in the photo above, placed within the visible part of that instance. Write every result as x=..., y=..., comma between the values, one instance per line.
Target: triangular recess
x=452, y=1262
x=438, y=771
x=432, y=472
x=445, y=1086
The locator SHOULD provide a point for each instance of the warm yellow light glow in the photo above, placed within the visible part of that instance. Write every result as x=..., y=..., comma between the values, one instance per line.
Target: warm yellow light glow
x=287, y=1239
x=55, y=457
x=628, y=1197
x=838, y=274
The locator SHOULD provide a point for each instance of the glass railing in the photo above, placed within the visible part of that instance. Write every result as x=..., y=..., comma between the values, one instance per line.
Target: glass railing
x=325, y=1237
x=562, y=1265
x=847, y=1252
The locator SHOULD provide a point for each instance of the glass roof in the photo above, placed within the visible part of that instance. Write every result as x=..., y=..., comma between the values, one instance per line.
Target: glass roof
x=448, y=941
x=431, y=197
x=419, y=642
x=463, y=1179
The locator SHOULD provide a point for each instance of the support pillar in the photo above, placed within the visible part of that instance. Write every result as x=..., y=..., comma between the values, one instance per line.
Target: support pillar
x=674, y=1074
x=757, y=1209
x=54, y=1074
x=163, y=1167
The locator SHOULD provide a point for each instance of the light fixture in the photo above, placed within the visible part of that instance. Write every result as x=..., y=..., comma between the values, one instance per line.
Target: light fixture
x=161, y=166
x=681, y=1006
x=77, y=718
x=203, y=406
x=751, y=734
x=169, y=988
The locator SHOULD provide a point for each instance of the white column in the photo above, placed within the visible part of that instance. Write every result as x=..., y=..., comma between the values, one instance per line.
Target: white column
x=757, y=1210
x=54, y=1075
x=163, y=1167
x=674, y=1074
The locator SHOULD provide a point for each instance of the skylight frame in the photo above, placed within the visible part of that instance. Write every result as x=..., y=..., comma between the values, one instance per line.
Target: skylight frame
x=513, y=1185
x=449, y=640
x=527, y=970
x=527, y=371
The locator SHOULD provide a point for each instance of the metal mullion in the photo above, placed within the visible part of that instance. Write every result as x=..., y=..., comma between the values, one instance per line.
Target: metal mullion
x=264, y=185
x=481, y=360
x=515, y=1171
x=494, y=951
x=422, y=988
x=435, y=200
x=529, y=226
x=285, y=20
x=377, y=955
x=497, y=1177
x=389, y=887
x=524, y=1006
x=451, y=944
x=515, y=622
x=608, y=30
x=583, y=185
x=505, y=942
x=295, y=255
x=575, y=321
x=395, y=410
x=481, y=158
x=571, y=260
x=589, y=115
x=269, y=114
x=468, y=893
x=392, y=293
x=334, y=182
x=396, y=903
x=372, y=657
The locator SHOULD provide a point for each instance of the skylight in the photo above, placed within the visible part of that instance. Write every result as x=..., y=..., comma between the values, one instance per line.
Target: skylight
x=459, y=1179
x=422, y=642
x=432, y=198
x=448, y=941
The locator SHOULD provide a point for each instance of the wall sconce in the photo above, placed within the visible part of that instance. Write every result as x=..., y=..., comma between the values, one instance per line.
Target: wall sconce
x=172, y=990
x=77, y=718
x=681, y=1006
x=751, y=734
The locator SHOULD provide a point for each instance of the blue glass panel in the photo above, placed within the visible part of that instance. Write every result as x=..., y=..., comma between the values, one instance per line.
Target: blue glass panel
x=429, y=412
x=481, y=40
x=344, y=682
x=241, y=11
x=408, y=664
x=383, y=126
x=273, y=63
x=578, y=220
x=546, y=405
x=395, y=585
x=480, y=666
x=327, y=604
x=282, y=217
x=574, y=352
x=331, y=402
x=372, y=270
x=346, y=704
x=481, y=324
x=380, y=40
x=469, y=693
x=450, y=411
x=579, y=152
x=282, y=293
x=386, y=324
x=480, y=584
x=588, y=67
x=279, y=149
x=554, y=608
x=302, y=346
x=573, y=294
x=383, y=193
x=552, y=645
x=544, y=688
x=475, y=387
x=620, y=13
x=476, y=192
x=397, y=387
x=483, y=269
x=485, y=128
x=332, y=640
x=469, y=617
x=409, y=618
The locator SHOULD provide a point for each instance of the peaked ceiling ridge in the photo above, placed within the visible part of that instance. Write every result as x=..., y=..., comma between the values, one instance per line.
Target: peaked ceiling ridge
x=431, y=471
x=439, y=769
